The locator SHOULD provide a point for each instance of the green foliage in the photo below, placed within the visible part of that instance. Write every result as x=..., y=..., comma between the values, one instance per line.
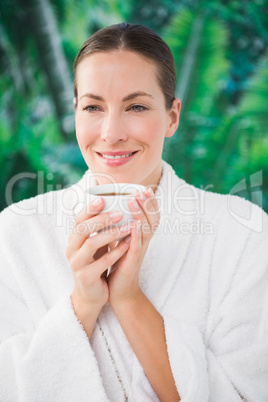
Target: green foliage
x=250, y=127
x=218, y=142
x=220, y=49
x=198, y=44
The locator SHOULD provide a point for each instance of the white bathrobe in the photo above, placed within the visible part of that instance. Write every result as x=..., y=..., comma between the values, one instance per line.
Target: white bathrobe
x=205, y=271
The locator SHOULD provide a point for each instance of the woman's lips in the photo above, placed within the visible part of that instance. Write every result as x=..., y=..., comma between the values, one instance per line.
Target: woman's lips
x=116, y=158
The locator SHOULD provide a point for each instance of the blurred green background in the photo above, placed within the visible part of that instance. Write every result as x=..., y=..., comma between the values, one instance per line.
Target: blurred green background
x=221, y=53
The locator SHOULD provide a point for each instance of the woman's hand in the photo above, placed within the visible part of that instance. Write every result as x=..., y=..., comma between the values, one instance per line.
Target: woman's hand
x=89, y=259
x=124, y=280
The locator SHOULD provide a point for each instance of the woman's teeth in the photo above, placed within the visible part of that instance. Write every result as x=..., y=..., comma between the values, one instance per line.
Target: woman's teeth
x=116, y=156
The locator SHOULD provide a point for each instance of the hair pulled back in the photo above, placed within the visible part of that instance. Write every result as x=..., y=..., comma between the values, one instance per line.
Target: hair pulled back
x=135, y=38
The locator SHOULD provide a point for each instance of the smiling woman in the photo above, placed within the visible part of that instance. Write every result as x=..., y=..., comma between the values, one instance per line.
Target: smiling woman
x=169, y=307
x=122, y=118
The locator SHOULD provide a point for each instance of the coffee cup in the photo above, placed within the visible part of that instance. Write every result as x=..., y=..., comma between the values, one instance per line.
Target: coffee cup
x=116, y=197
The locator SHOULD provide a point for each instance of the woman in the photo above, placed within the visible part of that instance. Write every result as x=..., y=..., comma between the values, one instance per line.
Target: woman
x=183, y=316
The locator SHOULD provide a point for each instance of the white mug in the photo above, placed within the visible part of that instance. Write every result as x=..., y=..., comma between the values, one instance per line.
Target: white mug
x=116, y=197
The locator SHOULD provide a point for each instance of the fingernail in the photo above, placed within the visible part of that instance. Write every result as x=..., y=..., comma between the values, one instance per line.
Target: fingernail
x=97, y=202
x=116, y=215
x=134, y=203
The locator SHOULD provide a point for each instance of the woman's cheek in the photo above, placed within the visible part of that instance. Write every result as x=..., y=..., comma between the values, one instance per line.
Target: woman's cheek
x=146, y=130
x=86, y=130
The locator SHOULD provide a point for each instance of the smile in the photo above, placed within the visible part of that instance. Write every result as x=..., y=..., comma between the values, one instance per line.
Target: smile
x=116, y=158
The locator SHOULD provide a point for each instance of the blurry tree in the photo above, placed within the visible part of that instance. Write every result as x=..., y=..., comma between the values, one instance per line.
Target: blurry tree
x=242, y=138
x=218, y=135
x=198, y=43
x=44, y=32
x=246, y=22
x=28, y=128
x=155, y=14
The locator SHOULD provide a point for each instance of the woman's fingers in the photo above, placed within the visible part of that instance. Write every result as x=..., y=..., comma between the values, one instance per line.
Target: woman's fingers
x=144, y=207
x=152, y=209
x=82, y=231
x=90, y=210
x=135, y=241
x=99, y=266
x=87, y=212
x=86, y=254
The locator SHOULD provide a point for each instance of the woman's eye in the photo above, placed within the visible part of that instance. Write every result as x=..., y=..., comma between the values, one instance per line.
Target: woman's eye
x=91, y=108
x=138, y=108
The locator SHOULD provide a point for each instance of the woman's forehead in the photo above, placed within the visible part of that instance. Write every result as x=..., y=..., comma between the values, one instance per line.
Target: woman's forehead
x=118, y=69
x=122, y=61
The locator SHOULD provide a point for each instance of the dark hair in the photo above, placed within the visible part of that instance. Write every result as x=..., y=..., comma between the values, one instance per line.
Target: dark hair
x=138, y=39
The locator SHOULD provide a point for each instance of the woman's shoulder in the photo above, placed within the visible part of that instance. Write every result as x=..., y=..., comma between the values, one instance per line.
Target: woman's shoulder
x=36, y=205
x=239, y=239
x=221, y=212
x=49, y=202
x=47, y=212
x=234, y=211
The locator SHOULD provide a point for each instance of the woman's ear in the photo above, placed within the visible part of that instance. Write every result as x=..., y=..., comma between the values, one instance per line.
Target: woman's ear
x=74, y=102
x=174, y=117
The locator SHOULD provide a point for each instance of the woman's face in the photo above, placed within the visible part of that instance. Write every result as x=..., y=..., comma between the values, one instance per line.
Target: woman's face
x=121, y=118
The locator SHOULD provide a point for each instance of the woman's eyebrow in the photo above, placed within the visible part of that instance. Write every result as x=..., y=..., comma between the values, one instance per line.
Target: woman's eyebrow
x=89, y=95
x=135, y=95
x=126, y=98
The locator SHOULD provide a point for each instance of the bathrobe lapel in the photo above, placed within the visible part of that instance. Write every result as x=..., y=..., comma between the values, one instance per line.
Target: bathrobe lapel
x=168, y=248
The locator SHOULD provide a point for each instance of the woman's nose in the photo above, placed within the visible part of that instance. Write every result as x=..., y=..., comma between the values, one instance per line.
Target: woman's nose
x=113, y=130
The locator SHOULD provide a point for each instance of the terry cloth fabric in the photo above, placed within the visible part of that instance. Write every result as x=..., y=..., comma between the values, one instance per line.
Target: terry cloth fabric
x=205, y=271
